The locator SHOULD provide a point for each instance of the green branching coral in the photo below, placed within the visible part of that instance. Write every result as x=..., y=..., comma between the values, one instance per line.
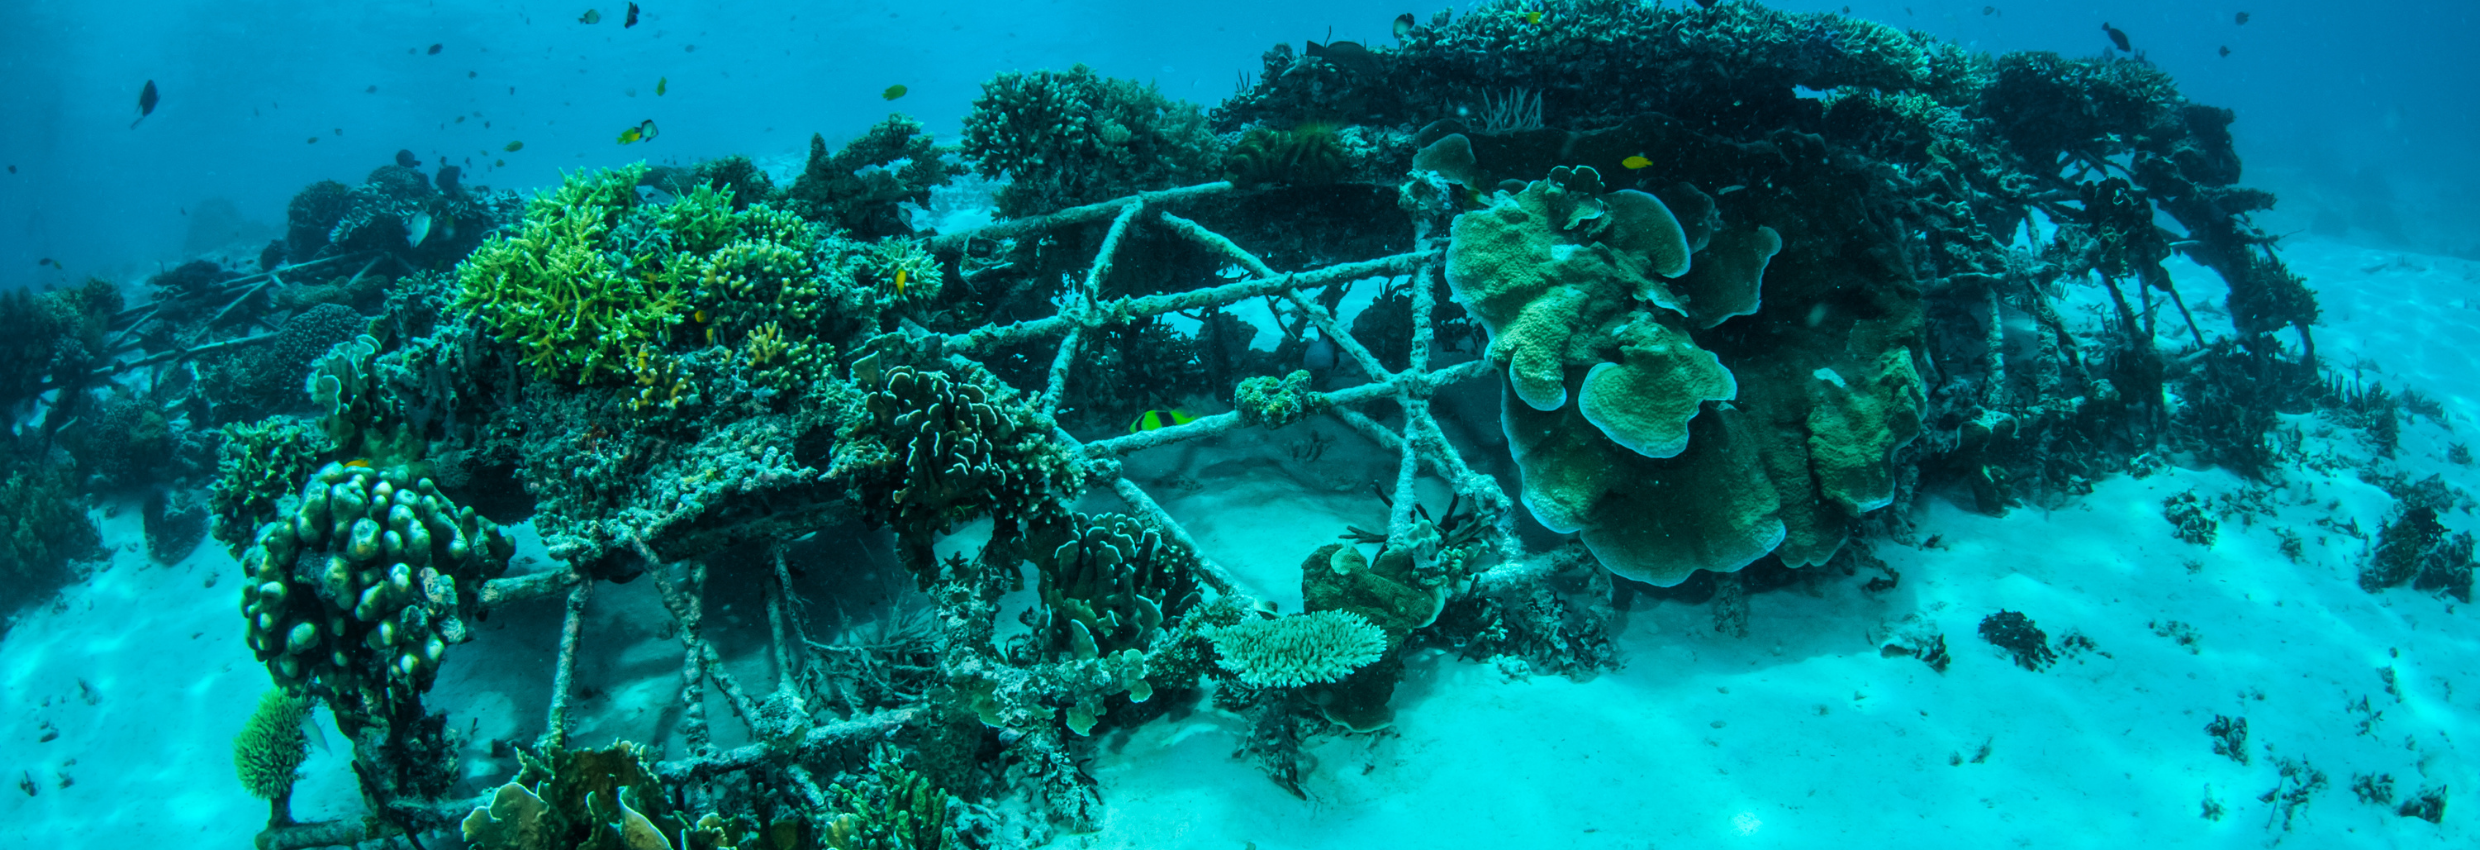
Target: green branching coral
x=934, y=449
x=258, y=465
x=270, y=750
x=578, y=305
x=1287, y=652
x=860, y=188
x=599, y=287
x=357, y=595
x=1076, y=137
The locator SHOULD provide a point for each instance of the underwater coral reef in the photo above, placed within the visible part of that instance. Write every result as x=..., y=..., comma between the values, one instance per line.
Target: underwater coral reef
x=1686, y=302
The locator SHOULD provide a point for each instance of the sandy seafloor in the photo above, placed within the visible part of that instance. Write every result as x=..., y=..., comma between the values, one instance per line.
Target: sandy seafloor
x=1800, y=734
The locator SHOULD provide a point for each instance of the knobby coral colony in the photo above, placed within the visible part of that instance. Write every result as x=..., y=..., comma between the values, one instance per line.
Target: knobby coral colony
x=1728, y=323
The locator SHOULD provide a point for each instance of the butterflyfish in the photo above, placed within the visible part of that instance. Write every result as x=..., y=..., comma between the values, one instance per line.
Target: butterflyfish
x=1153, y=420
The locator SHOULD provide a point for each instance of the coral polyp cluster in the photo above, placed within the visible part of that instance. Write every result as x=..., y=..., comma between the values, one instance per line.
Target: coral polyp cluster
x=356, y=595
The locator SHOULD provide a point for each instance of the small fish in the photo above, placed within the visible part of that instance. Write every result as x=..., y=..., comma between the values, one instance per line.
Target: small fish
x=592, y=16
x=313, y=140
x=418, y=229
x=1405, y=26
x=2117, y=37
x=147, y=99
x=1988, y=10
x=1705, y=3
x=893, y=92
x=374, y=89
x=405, y=158
x=357, y=463
x=2225, y=50
x=643, y=132
x=900, y=278
x=472, y=74
x=661, y=83
x=47, y=261
x=1635, y=162
x=1155, y=420
x=499, y=163
x=2243, y=19
x=435, y=49
x=514, y=147
x=12, y=169
x=184, y=210
x=1533, y=18
x=632, y=21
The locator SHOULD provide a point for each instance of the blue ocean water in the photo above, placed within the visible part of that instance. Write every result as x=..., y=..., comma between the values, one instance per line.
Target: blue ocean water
x=1966, y=474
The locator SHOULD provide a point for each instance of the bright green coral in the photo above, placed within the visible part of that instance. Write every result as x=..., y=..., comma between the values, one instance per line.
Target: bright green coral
x=577, y=304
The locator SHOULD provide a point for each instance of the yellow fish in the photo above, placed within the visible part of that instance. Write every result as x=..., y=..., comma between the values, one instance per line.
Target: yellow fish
x=1152, y=420
x=893, y=92
x=629, y=135
x=1635, y=162
x=1533, y=18
x=357, y=463
x=643, y=132
x=900, y=281
x=660, y=83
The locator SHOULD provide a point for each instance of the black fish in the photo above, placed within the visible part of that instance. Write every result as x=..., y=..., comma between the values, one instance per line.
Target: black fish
x=2225, y=50
x=2243, y=19
x=1988, y=10
x=632, y=21
x=1705, y=3
x=2117, y=37
x=447, y=178
x=374, y=89
x=1404, y=27
x=405, y=158
x=435, y=49
x=1344, y=54
x=12, y=169
x=146, y=103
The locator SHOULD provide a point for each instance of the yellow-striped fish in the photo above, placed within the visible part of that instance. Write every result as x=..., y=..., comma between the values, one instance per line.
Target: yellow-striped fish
x=1153, y=420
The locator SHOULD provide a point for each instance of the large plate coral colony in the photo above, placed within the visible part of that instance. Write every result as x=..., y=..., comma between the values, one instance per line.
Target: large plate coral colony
x=929, y=495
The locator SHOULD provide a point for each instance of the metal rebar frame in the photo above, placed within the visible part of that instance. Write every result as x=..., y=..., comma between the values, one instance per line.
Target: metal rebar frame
x=1417, y=442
